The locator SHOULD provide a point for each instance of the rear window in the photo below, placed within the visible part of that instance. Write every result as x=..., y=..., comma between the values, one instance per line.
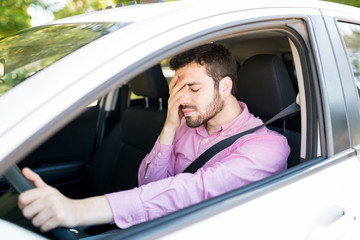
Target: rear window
x=351, y=35
x=27, y=52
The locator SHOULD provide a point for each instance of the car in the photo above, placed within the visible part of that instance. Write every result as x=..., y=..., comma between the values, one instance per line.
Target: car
x=81, y=106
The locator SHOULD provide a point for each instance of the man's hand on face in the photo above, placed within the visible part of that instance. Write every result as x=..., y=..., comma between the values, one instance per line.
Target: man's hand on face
x=177, y=89
x=173, y=119
x=45, y=206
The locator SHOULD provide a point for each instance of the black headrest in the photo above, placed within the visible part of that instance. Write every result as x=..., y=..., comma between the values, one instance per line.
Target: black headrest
x=264, y=85
x=151, y=83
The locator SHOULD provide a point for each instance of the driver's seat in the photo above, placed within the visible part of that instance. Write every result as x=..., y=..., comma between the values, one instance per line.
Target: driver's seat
x=116, y=162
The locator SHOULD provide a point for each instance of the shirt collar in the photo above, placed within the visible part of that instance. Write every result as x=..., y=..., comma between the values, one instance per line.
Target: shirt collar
x=231, y=127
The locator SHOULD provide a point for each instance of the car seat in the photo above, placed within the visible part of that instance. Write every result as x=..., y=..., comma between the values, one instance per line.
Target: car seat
x=265, y=86
x=116, y=162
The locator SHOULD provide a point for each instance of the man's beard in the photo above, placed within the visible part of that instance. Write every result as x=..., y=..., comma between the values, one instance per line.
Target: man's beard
x=212, y=109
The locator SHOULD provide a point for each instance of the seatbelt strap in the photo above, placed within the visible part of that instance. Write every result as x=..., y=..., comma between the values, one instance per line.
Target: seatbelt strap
x=216, y=148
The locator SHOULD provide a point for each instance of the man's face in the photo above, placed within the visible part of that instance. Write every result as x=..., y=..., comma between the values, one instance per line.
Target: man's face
x=201, y=102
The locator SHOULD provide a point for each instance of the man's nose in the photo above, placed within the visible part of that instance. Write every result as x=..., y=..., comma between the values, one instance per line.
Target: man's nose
x=185, y=100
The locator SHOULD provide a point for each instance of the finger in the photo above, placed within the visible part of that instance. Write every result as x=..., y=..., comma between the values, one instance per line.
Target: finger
x=173, y=81
x=49, y=218
x=178, y=86
x=33, y=177
x=179, y=99
x=41, y=218
x=32, y=195
x=54, y=221
x=26, y=198
x=49, y=225
x=34, y=208
x=181, y=114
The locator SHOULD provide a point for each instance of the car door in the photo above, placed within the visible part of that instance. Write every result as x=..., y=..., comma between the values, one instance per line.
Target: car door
x=62, y=160
x=311, y=200
x=348, y=54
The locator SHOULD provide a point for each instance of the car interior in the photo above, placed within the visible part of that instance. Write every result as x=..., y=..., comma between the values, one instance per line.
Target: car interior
x=100, y=151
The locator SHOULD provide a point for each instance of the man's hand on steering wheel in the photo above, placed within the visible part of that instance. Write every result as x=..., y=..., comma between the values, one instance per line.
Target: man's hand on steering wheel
x=45, y=206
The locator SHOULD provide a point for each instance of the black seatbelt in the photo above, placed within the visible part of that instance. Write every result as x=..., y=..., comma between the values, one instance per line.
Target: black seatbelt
x=216, y=148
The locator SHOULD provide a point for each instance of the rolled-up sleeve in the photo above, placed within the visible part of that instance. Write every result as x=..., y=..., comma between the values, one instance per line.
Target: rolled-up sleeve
x=158, y=164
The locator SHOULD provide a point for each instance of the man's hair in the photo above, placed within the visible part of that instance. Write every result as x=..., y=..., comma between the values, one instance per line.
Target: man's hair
x=218, y=61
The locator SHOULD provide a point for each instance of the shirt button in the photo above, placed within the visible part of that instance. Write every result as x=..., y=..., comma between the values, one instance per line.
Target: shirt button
x=206, y=140
x=146, y=177
x=154, y=152
x=159, y=154
x=129, y=219
x=222, y=133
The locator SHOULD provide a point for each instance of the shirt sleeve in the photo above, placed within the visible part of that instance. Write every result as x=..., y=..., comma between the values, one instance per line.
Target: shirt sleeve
x=252, y=160
x=156, y=165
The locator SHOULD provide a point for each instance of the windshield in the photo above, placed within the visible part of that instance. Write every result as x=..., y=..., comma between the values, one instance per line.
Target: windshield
x=31, y=50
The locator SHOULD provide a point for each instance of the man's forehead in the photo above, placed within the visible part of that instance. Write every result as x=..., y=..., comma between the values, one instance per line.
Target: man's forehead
x=191, y=70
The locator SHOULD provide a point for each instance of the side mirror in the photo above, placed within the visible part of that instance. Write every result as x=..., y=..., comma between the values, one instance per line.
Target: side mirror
x=2, y=69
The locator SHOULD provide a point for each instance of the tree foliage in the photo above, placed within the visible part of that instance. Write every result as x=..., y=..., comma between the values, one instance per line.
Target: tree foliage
x=355, y=3
x=76, y=7
x=14, y=16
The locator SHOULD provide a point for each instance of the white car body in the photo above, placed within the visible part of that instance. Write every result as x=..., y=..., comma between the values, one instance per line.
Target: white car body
x=319, y=199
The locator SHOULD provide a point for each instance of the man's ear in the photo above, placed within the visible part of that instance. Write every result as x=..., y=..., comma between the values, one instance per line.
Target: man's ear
x=226, y=86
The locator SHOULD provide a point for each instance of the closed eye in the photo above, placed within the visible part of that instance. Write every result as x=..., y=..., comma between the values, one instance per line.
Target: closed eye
x=194, y=86
x=194, y=90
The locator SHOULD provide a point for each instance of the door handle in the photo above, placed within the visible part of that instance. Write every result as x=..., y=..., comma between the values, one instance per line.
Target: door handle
x=345, y=227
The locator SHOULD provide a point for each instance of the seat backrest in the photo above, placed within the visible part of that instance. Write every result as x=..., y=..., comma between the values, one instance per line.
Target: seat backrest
x=265, y=86
x=116, y=162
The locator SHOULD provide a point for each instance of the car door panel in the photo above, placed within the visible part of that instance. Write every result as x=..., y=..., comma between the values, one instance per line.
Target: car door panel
x=63, y=158
x=345, y=227
x=316, y=197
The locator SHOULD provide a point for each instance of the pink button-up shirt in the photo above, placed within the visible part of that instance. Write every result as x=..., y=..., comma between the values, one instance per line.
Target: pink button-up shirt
x=163, y=188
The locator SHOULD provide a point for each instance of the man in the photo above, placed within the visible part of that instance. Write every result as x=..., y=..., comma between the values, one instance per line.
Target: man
x=202, y=110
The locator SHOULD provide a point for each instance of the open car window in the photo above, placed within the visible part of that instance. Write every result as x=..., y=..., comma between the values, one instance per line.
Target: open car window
x=29, y=51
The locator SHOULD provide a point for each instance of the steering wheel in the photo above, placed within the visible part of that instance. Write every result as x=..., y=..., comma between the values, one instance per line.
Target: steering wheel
x=17, y=180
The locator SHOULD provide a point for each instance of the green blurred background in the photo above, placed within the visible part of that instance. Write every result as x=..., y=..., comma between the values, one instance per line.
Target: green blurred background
x=19, y=14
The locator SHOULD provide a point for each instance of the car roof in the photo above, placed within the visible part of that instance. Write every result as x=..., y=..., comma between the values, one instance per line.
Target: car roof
x=142, y=12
